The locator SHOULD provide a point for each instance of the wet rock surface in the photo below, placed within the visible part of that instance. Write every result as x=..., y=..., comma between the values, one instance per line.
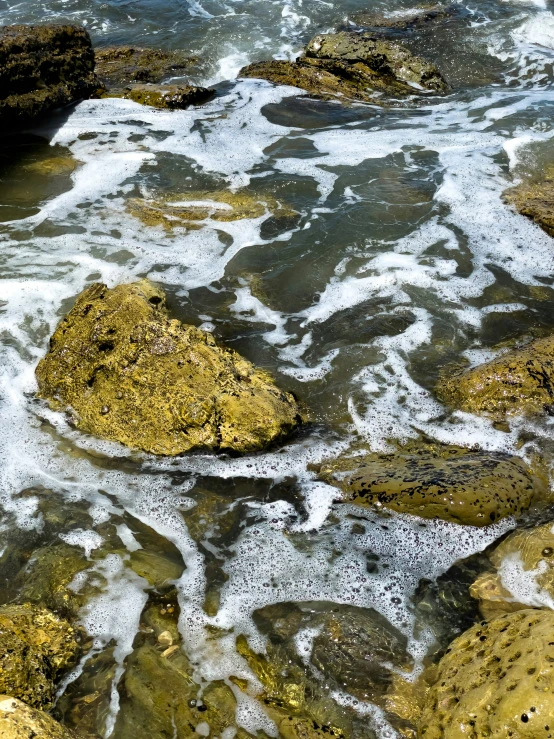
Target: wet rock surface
x=524, y=573
x=35, y=648
x=355, y=66
x=496, y=680
x=118, y=66
x=132, y=375
x=168, y=97
x=535, y=200
x=19, y=721
x=404, y=20
x=43, y=68
x=189, y=209
x=472, y=488
x=519, y=382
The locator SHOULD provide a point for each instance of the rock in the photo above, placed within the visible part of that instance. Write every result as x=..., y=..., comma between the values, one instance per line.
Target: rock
x=42, y=68
x=160, y=699
x=156, y=567
x=350, y=646
x=471, y=488
x=189, y=209
x=169, y=97
x=405, y=19
x=46, y=578
x=535, y=200
x=19, y=721
x=355, y=66
x=118, y=66
x=386, y=58
x=495, y=681
x=519, y=382
x=130, y=374
x=35, y=648
x=524, y=564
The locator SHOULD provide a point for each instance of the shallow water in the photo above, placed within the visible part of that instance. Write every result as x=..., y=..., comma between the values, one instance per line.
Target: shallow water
x=401, y=258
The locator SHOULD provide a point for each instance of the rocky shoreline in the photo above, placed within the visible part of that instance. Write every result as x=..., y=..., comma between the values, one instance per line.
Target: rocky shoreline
x=122, y=369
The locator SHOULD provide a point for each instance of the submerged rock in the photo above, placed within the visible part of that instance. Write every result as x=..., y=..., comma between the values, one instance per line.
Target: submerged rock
x=35, y=648
x=42, y=68
x=519, y=382
x=169, y=97
x=403, y=20
x=46, y=578
x=524, y=564
x=118, y=66
x=189, y=209
x=535, y=200
x=471, y=488
x=130, y=374
x=353, y=65
x=19, y=721
x=495, y=681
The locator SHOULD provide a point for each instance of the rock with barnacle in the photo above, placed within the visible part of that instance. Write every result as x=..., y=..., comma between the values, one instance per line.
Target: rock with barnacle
x=496, y=680
x=129, y=373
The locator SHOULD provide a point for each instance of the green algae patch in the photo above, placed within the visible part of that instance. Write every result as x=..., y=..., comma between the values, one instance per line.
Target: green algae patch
x=533, y=551
x=36, y=646
x=519, y=382
x=130, y=374
x=189, y=209
x=353, y=66
x=535, y=200
x=19, y=721
x=471, y=488
x=496, y=681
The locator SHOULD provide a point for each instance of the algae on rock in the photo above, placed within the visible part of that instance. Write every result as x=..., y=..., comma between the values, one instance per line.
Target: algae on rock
x=166, y=97
x=495, y=681
x=188, y=209
x=520, y=382
x=535, y=200
x=471, y=488
x=42, y=68
x=118, y=66
x=130, y=374
x=355, y=66
x=35, y=648
x=20, y=721
x=526, y=553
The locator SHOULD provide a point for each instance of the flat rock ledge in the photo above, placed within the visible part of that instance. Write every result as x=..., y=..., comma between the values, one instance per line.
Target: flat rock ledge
x=43, y=68
x=126, y=372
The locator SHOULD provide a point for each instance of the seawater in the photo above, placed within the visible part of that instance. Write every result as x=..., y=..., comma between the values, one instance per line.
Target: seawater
x=403, y=257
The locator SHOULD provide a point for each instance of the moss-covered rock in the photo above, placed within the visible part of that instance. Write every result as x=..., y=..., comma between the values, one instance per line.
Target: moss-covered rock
x=35, y=648
x=352, y=66
x=526, y=553
x=130, y=374
x=118, y=66
x=519, y=382
x=46, y=578
x=168, y=97
x=42, y=68
x=189, y=209
x=496, y=681
x=19, y=721
x=472, y=488
x=535, y=200
x=383, y=57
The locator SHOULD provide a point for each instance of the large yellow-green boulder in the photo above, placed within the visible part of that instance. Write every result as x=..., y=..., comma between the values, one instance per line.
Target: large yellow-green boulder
x=129, y=373
x=35, y=648
x=19, y=721
x=496, y=681
x=472, y=488
x=524, y=571
x=519, y=382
